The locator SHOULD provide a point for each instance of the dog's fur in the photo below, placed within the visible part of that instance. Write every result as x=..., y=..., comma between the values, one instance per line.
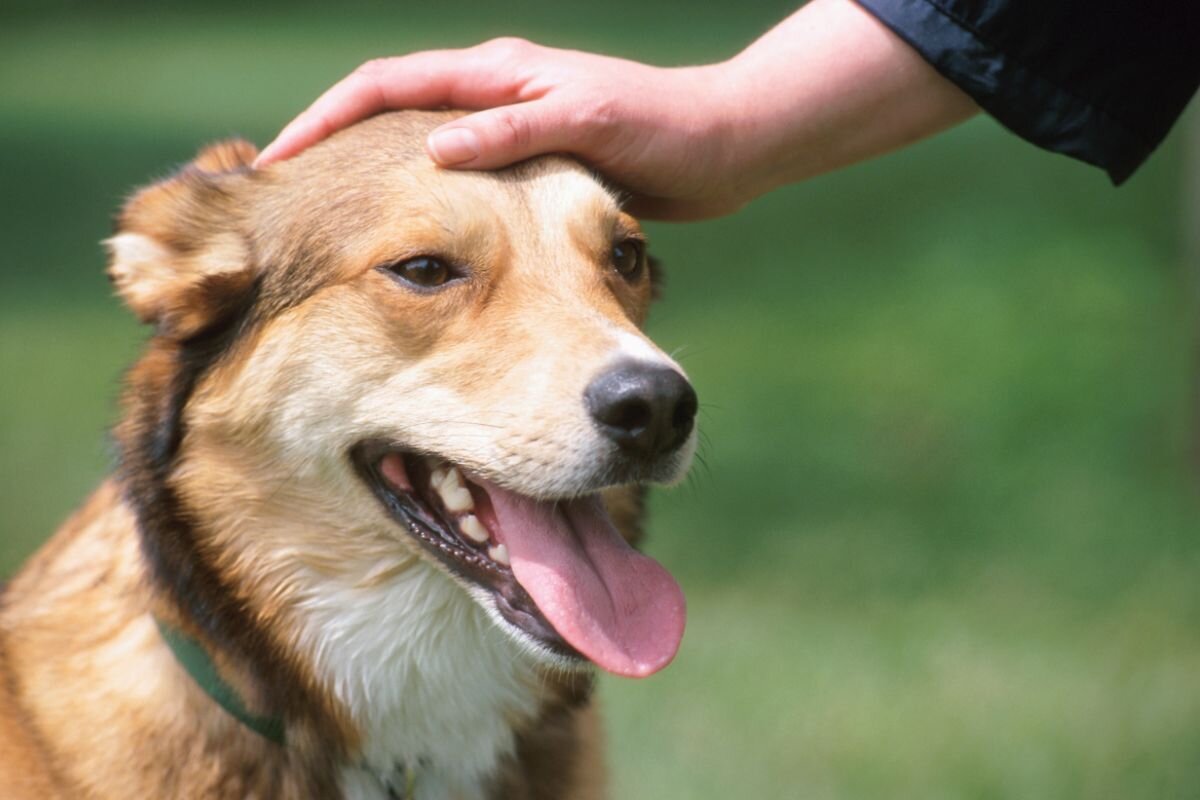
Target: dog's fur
x=236, y=517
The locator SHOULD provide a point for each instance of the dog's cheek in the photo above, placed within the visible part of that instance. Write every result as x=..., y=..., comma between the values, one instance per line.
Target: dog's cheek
x=639, y=308
x=321, y=376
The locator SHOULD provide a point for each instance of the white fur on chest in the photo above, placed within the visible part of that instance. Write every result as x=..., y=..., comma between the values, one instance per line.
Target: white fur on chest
x=427, y=677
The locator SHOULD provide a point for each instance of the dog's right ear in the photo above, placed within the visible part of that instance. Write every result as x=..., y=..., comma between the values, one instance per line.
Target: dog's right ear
x=177, y=258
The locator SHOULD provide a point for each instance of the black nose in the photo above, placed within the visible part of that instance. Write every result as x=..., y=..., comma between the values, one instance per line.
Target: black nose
x=646, y=409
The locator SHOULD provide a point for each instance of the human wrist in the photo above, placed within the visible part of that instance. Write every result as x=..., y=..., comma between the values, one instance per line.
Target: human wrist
x=697, y=140
x=744, y=124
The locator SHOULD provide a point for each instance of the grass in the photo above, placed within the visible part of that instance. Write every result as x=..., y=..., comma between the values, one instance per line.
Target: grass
x=943, y=543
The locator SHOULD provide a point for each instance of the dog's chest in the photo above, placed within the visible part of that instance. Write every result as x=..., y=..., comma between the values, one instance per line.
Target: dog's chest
x=432, y=684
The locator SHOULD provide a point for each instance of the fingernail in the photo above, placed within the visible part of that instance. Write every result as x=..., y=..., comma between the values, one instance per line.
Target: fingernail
x=452, y=146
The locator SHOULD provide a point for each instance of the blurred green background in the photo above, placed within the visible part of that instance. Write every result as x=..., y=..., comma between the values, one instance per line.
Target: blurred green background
x=944, y=540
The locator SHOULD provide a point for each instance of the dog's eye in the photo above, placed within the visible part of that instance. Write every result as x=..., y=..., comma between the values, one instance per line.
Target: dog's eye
x=424, y=272
x=628, y=257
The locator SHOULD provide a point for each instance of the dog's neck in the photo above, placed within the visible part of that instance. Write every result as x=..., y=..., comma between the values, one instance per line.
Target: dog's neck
x=434, y=688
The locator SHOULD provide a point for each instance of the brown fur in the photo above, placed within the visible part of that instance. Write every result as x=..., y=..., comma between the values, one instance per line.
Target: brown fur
x=237, y=271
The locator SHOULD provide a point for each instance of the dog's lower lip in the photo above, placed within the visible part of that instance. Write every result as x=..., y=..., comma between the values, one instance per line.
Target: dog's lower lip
x=405, y=492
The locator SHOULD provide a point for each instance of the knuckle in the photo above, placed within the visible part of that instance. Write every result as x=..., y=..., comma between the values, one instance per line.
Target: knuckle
x=602, y=111
x=596, y=116
x=509, y=48
x=513, y=128
x=372, y=68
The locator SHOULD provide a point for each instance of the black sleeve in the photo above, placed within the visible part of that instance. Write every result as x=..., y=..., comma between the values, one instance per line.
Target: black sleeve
x=1098, y=80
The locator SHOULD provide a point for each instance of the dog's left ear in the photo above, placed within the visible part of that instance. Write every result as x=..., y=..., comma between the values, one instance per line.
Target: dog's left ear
x=177, y=259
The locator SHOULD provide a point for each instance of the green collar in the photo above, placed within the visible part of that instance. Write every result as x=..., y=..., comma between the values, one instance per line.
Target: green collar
x=196, y=661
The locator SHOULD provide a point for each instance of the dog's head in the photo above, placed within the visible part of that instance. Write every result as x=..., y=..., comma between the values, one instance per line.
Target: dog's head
x=359, y=357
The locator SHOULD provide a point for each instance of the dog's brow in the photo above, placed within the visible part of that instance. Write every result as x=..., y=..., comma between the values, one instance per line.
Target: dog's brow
x=595, y=220
x=624, y=226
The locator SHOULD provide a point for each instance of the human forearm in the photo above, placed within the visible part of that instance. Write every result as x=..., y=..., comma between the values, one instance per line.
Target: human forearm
x=828, y=87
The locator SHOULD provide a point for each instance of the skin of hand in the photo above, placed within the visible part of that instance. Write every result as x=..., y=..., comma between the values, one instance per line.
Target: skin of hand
x=827, y=87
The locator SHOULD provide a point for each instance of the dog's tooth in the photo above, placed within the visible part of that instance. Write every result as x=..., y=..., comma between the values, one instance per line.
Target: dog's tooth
x=499, y=554
x=453, y=479
x=455, y=495
x=437, y=477
x=456, y=499
x=473, y=528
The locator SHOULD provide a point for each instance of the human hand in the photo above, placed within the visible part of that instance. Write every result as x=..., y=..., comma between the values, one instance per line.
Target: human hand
x=660, y=134
x=827, y=87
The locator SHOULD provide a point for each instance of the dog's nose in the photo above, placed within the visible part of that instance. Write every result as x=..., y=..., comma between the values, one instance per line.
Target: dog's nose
x=647, y=409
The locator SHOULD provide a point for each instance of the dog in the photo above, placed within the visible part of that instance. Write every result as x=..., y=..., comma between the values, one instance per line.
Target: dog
x=378, y=472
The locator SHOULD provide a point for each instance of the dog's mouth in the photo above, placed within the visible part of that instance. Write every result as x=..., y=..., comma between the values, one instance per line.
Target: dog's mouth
x=558, y=571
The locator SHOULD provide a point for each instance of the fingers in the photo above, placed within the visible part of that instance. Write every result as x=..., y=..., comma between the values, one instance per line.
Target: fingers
x=355, y=97
x=501, y=136
x=432, y=79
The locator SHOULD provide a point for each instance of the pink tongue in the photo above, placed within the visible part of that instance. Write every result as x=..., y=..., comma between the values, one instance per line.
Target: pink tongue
x=618, y=607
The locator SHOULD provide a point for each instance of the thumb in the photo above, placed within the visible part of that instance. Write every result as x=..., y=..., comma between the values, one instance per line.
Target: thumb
x=501, y=136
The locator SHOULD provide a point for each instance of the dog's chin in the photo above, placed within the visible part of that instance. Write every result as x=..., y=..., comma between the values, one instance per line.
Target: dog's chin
x=552, y=573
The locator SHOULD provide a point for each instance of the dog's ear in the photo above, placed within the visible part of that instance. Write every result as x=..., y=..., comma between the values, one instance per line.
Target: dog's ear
x=177, y=258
